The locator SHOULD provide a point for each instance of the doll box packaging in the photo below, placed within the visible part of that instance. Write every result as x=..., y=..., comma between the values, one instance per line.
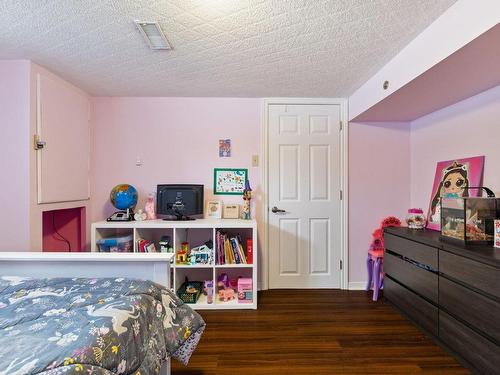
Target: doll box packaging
x=245, y=294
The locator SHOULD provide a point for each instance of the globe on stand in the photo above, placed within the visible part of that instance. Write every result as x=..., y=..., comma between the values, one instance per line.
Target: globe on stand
x=124, y=198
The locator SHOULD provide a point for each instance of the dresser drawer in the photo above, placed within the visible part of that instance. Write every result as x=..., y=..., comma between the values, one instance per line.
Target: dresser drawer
x=413, y=250
x=478, y=275
x=477, y=310
x=420, y=311
x=481, y=353
x=417, y=279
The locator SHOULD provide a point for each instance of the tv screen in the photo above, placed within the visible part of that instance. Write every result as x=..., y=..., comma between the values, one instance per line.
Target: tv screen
x=180, y=201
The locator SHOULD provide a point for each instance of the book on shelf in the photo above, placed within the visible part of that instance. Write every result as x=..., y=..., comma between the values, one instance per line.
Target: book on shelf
x=229, y=249
x=146, y=246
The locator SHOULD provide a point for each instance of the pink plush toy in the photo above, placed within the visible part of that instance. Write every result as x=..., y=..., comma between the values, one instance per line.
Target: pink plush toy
x=150, y=208
x=226, y=294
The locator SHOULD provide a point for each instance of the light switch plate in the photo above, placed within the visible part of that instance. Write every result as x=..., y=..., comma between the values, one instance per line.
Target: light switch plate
x=255, y=160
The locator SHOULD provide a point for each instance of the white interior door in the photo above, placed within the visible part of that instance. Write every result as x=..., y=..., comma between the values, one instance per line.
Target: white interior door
x=63, y=124
x=304, y=182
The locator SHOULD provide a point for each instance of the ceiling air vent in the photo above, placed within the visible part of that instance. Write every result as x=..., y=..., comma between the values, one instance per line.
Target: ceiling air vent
x=153, y=35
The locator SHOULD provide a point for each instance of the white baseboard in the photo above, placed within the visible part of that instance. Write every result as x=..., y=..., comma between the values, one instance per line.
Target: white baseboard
x=357, y=285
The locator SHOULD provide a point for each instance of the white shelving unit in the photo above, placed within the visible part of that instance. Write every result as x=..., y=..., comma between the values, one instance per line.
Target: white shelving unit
x=195, y=232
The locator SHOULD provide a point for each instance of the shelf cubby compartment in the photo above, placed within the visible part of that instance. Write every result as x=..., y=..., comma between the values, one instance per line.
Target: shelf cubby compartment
x=195, y=237
x=243, y=233
x=154, y=235
x=194, y=274
x=112, y=232
x=234, y=273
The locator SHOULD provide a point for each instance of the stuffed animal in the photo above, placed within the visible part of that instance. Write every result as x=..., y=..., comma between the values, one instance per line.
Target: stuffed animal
x=226, y=295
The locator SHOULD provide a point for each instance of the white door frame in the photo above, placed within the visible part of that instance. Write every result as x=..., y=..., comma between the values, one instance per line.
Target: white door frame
x=344, y=181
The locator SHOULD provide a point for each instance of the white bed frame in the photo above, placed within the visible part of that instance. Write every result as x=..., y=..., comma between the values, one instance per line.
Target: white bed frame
x=152, y=266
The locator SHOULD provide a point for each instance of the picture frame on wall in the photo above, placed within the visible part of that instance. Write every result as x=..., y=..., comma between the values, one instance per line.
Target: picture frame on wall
x=230, y=181
x=451, y=180
x=214, y=209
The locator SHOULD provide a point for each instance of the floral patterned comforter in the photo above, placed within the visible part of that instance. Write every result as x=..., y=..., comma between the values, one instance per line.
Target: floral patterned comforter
x=92, y=326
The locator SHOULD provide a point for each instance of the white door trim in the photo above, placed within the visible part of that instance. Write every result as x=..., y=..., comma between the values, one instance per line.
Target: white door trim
x=344, y=181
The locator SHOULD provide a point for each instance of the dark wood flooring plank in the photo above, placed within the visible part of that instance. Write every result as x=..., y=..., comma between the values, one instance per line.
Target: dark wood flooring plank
x=315, y=332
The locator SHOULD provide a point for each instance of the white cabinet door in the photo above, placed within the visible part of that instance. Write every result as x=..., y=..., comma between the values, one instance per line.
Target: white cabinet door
x=63, y=123
x=304, y=202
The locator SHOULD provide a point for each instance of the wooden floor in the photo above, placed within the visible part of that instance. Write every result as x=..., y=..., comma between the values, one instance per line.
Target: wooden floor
x=315, y=332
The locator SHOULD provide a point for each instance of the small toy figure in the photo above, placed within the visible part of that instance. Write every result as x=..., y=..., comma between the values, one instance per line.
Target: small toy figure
x=222, y=281
x=247, y=197
x=208, y=289
x=181, y=257
x=192, y=259
x=226, y=295
x=140, y=215
x=165, y=246
x=150, y=208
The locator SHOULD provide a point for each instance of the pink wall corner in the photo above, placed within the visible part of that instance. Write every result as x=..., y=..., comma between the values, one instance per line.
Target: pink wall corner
x=14, y=148
x=379, y=184
x=468, y=128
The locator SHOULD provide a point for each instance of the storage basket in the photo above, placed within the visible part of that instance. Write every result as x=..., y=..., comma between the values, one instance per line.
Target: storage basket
x=123, y=244
x=190, y=291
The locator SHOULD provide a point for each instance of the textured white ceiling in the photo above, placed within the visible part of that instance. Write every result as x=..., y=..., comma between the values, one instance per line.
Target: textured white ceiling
x=246, y=48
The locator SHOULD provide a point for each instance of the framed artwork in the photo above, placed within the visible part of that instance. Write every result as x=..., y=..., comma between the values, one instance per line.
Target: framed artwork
x=224, y=148
x=214, y=209
x=229, y=181
x=451, y=180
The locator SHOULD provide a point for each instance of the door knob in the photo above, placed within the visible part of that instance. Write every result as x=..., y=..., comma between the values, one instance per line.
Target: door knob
x=276, y=210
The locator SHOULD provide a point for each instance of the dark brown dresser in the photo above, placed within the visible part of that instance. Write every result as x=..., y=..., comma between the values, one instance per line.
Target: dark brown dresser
x=450, y=292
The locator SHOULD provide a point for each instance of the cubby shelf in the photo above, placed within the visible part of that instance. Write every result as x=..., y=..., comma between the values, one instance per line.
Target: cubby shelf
x=195, y=232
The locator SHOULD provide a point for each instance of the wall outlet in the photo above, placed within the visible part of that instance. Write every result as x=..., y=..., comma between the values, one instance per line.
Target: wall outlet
x=255, y=160
x=138, y=161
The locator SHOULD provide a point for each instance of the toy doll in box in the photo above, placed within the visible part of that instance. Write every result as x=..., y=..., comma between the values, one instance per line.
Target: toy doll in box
x=245, y=289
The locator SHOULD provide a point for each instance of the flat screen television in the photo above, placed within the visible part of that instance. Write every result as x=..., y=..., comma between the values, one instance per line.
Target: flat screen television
x=179, y=201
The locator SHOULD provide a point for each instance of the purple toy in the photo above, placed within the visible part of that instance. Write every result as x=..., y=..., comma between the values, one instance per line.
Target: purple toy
x=223, y=281
x=208, y=289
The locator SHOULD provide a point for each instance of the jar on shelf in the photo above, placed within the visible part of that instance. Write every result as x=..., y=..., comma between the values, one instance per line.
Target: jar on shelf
x=415, y=218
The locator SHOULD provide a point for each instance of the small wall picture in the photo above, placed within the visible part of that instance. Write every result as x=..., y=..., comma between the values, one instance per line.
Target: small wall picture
x=214, y=209
x=452, y=179
x=230, y=181
x=224, y=148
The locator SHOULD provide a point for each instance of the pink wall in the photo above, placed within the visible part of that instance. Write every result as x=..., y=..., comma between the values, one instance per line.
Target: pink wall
x=468, y=128
x=177, y=140
x=379, y=185
x=14, y=160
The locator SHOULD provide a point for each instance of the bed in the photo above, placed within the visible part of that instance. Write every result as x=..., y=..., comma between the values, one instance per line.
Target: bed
x=100, y=316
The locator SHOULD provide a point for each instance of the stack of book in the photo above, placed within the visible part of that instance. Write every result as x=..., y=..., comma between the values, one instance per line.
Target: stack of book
x=229, y=249
x=145, y=246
